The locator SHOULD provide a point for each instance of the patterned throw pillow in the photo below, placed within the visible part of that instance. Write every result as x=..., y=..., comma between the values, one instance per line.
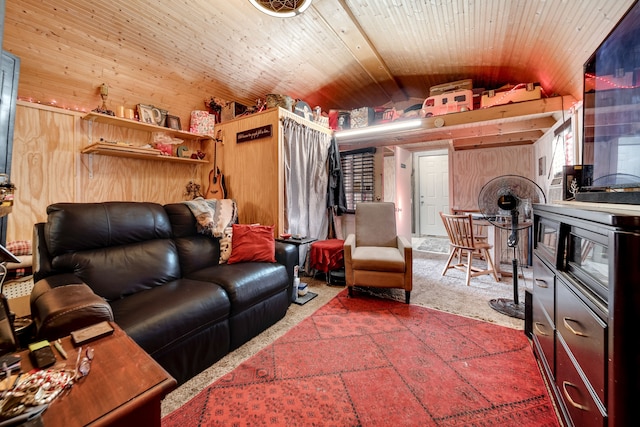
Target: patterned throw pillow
x=19, y=247
x=225, y=245
x=214, y=218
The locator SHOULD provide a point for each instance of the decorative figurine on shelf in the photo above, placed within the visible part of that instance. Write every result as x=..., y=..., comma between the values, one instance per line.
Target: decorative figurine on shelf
x=258, y=107
x=198, y=155
x=574, y=188
x=104, y=93
x=193, y=190
x=215, y=106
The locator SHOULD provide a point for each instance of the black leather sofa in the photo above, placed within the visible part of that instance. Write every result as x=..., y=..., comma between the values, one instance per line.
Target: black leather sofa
x=144, y=266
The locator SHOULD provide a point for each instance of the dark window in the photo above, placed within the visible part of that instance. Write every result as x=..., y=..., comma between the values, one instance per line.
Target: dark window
x=460, y=98
x=358, y=174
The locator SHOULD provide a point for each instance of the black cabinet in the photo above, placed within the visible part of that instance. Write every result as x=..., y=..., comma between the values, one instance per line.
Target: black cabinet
x=586, y=308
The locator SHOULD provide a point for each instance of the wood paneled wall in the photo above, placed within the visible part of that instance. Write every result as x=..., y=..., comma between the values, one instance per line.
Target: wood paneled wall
x=469, y=170
x=254, y=170
x=48, y=167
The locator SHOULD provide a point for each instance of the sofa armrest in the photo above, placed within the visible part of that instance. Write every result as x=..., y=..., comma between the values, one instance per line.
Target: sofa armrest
x=287, y=255
x=58, y=309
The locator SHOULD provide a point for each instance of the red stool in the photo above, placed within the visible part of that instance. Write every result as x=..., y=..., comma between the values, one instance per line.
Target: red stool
x=327, y=256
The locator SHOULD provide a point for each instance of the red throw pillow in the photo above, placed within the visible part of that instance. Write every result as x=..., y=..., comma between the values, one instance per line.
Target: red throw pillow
x=252, y=243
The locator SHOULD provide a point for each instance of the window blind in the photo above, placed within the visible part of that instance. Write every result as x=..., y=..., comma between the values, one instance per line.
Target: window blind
x=358, y=176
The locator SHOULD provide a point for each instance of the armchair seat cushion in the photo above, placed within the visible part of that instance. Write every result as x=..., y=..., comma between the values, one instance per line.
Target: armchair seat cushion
x=376, y=258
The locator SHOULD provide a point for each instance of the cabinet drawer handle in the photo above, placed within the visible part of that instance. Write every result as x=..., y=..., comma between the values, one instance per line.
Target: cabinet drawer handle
x=541, y=283
x=539, y=327
x=575, y=404
x=566, y=321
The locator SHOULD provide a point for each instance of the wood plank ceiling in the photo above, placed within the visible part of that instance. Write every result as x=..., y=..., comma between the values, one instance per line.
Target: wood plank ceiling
x=339, y=54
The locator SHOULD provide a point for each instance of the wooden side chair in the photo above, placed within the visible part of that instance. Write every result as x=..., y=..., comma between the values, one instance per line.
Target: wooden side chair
x=463, y=246
x=479, y=230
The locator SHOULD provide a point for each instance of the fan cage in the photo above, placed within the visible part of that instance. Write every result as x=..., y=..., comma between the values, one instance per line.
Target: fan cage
x=281, y=8
x=525, y=190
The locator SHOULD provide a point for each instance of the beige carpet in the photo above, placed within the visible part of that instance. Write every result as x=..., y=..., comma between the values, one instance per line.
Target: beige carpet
x=430, y=289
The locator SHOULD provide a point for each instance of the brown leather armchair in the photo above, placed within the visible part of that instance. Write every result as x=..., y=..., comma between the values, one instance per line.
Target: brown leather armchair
x=375, y=256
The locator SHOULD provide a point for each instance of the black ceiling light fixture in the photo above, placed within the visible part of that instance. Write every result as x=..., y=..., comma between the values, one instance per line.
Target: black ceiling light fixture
x=281, y=8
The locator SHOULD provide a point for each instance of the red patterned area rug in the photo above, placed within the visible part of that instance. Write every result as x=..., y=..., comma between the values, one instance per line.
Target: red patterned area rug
x=366, y=361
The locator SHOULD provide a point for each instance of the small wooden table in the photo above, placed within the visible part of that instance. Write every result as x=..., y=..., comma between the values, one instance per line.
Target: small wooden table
x=497, y=235
x=123, y=388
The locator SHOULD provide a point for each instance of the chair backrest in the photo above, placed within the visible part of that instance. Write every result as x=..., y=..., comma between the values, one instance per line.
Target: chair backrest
x=459, y=229
x=376, y=224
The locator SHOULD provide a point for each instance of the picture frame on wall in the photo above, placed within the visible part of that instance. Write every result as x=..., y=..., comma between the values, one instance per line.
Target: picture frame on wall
x=159, y=116
x=145, y=114
x=173, y=122
x=542, y=165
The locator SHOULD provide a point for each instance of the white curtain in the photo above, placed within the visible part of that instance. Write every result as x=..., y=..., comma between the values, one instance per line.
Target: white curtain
x=305, y=179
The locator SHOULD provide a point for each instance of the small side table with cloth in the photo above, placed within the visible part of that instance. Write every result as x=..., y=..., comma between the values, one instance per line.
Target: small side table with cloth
x=327, y=256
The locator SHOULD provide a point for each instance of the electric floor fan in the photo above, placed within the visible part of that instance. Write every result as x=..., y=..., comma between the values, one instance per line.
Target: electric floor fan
x=506, y=202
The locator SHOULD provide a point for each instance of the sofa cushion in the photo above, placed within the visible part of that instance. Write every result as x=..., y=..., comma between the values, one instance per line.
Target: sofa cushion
x=196, y=251
x=252, y=243
x=73, y=227
x=99, y=242
x=161, y=317
x=115, y=272
x=246, y=284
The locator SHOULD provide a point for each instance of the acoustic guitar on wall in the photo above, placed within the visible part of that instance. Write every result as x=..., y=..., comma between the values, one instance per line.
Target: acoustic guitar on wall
x=216, y=188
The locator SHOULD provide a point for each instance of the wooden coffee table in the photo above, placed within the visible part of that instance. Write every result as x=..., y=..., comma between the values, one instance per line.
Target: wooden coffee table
x=123, y=388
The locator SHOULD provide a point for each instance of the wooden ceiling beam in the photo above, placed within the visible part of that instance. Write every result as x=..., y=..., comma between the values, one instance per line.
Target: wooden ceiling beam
x=512, y=139
x=344, y=25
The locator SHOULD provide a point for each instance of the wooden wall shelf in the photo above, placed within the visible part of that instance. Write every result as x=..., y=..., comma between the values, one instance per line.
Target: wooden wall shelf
x=508, y=125
x=107, y=149
x=136, y=125
x=132, y=152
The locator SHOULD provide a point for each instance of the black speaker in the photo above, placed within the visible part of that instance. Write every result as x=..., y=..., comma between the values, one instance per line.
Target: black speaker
x=528, y=313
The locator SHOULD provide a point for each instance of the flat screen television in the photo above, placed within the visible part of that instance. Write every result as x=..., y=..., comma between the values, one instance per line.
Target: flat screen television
x=611, y=105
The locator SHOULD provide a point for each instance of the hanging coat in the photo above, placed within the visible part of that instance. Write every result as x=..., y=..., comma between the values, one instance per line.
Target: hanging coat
x=336, y=196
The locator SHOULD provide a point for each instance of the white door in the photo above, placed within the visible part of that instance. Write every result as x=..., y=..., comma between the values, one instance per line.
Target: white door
x=433, y=192
x=404, y=167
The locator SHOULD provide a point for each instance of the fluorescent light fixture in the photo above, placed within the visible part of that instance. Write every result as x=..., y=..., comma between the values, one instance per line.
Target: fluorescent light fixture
x=389, y=128
x=281, y=8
